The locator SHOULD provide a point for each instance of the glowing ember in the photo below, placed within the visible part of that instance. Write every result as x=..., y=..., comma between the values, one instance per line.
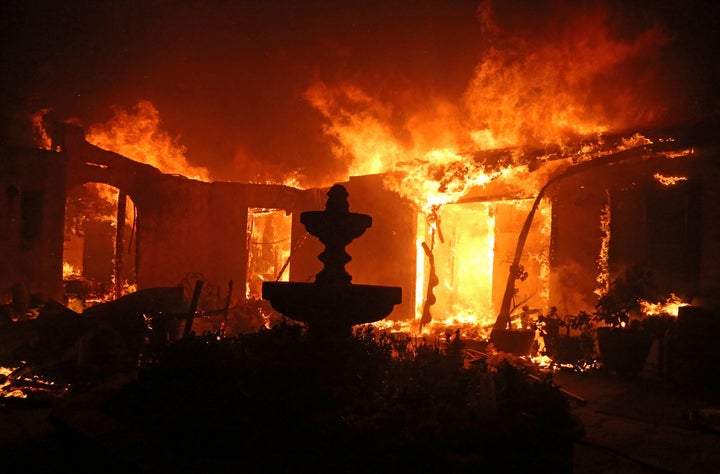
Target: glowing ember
x=668, y=180
x=679, y=153
x=15, y=384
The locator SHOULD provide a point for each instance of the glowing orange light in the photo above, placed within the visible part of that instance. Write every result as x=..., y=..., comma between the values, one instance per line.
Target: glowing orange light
x=670, y=306
x=668, y=180
x=138, y=135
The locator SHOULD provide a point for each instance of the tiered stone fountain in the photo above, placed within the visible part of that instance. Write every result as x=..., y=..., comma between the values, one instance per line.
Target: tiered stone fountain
x=332, y=305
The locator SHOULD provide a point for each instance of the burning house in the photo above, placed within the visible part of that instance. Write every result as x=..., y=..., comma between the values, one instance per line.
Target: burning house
x=517, y=160
x=571, y=223
x=556, y=159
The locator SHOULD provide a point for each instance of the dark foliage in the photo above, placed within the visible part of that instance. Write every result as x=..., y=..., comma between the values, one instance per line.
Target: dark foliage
x=279, y=400
x=622, y=299
x=568, y=339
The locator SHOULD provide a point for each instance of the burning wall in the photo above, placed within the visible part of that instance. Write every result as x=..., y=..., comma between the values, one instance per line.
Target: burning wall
x=658, y=204
x=184, y=226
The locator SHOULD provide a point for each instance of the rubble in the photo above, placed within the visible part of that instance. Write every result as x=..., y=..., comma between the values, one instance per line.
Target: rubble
x=68, y=347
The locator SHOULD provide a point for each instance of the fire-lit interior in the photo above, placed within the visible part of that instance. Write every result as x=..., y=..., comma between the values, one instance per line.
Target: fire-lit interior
x=472, y=246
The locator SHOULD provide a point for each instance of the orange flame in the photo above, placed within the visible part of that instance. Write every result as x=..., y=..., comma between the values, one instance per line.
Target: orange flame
x=603, y=277
x=670, y=306
x=536, y=95
x=138, y=135
x=525, y=94
x=540, y=92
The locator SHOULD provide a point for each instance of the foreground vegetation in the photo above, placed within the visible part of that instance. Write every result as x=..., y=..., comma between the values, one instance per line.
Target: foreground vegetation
x=279, y=400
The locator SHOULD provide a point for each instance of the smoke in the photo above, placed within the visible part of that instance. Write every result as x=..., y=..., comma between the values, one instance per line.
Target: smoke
x=231, y=80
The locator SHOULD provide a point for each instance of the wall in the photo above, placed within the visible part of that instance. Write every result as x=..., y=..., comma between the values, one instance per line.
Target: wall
x=671, y=231
x=32, y=209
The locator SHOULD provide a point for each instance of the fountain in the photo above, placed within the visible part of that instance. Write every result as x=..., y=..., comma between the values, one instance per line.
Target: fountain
x=332, y=304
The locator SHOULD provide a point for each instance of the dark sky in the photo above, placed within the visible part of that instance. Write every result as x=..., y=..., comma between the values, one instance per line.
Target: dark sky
x=229, y=77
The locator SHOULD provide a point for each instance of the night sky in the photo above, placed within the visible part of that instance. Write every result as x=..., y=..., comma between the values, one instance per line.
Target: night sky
x=229, y=77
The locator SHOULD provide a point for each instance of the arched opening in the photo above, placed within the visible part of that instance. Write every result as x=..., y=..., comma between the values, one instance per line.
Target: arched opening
x=100, y=245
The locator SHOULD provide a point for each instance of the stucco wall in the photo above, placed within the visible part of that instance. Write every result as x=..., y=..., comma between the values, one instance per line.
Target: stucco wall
x=31, y=220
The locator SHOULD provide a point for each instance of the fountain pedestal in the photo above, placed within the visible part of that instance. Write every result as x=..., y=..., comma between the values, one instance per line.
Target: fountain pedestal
x=332, y=304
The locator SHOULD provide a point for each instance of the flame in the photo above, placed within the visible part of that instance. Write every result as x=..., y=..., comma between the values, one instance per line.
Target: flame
x=69, y=270
x=539, y=91
x=603, y=277
x=525, y=93
x=544, y=94
x=438, y=178
x=137, y=134
x=670, y=306
x=471, y=244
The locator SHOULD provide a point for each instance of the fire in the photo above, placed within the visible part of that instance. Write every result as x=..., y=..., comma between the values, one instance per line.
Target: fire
x=69, y=270
x=138, y=135
x=603, y=277
x=670, y=306
x=527, y=93
x=539, y=91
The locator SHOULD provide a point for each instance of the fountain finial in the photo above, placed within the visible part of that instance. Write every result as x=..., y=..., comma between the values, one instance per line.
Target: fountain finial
x=337, y=199
x=336, y=227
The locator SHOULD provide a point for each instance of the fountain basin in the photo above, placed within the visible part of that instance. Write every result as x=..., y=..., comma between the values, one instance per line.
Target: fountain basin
x=331, y=308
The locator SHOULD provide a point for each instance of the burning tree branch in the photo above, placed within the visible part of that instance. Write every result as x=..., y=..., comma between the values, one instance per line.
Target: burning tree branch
x=433, y=281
